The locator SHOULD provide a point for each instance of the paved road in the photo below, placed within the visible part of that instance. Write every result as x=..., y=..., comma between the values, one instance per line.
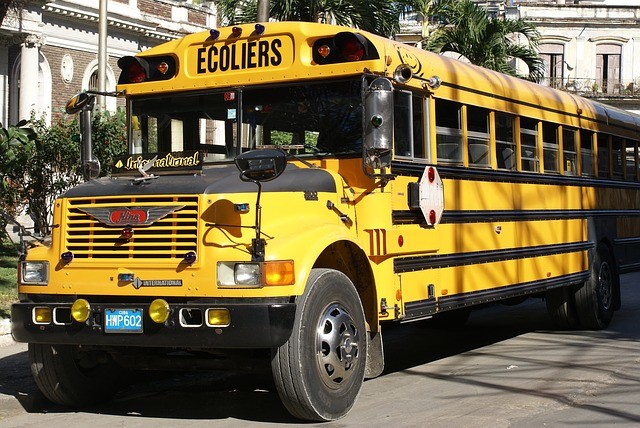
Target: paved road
x=505, y=368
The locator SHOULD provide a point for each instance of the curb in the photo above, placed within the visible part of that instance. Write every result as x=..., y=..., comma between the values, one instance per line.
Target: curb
x=5, y=333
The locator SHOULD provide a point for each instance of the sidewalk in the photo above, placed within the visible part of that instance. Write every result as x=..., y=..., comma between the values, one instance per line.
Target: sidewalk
x=5, y=332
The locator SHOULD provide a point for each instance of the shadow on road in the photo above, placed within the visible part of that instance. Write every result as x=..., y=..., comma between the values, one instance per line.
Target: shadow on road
x=252, y=397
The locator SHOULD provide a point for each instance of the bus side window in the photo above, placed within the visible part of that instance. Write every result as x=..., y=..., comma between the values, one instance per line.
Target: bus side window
x=586, y=152
x=449, y=131
x=478, y=136
x=419, y=121
x=617, y=146
x=402, y=126
x=603, y=155
x=569, y=155
x=550, y=146
x=505, y=142
x=630, y=159
x=528, y=136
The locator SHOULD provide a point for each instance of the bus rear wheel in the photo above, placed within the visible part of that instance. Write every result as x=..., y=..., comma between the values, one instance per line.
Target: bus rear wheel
x=561, y=307
x=594, y=299
x=69, y=376
x=319, y=371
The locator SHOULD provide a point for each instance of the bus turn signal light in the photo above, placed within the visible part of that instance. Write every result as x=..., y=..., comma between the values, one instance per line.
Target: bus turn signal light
x=279, y=273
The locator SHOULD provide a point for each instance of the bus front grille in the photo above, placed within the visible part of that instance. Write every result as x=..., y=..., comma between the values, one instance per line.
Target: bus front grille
x=88, y=234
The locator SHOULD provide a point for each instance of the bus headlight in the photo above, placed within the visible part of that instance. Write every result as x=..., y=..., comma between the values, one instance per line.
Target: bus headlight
x=247, y=274
x=36, y=273
x=255, y=274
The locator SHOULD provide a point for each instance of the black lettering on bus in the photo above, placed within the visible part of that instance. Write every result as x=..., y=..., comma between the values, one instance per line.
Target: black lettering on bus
x=276, y=59
x=212, y=65
x=263, y=53
x=251, y=54
x=201, y=68
x=244, y=56
x=224, y=58
x=234, y=64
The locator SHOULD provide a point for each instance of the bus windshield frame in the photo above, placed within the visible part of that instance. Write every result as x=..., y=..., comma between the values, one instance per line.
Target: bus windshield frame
x=311, y=117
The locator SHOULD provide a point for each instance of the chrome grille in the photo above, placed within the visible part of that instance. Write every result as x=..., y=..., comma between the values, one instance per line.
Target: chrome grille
x=170, y=237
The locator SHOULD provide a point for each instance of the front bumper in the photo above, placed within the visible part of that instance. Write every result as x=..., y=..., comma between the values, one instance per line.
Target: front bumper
x=262, y=324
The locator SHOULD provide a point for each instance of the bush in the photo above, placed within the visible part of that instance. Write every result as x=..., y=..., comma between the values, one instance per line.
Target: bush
x=50, y=166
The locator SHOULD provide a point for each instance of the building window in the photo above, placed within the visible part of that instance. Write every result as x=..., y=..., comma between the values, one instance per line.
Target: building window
x=608, y=59
x=553, y=57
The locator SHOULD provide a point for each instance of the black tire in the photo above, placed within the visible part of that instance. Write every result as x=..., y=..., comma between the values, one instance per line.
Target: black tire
x=319, y=371
x=595, y=297
x=71, y=377
x=561, y=308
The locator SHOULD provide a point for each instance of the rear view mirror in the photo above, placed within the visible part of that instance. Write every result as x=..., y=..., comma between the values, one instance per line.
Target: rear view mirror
x=261, y=165
x=79, y=102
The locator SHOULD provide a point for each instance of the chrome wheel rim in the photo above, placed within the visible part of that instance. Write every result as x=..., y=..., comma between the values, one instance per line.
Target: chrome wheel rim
x=338, y=346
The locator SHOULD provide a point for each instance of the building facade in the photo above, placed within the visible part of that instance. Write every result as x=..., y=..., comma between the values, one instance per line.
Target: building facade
x=49, y=50
x=590, y=47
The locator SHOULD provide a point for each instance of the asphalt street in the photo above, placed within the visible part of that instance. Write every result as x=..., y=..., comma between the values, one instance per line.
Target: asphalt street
x=506, y=368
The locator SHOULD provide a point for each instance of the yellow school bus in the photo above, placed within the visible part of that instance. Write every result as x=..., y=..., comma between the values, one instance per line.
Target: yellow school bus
x=292, y=188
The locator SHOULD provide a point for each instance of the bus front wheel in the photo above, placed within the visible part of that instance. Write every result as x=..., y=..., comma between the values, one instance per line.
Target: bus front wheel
x=69, y=376
x=594, y=299
x=319, y=371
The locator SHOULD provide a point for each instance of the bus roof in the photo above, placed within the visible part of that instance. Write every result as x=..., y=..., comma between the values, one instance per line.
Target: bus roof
x=277, y=52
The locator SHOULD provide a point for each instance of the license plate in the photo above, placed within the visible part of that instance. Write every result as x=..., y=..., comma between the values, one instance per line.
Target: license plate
x=123, y=320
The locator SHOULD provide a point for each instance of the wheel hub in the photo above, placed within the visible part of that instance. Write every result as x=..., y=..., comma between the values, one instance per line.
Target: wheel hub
x=338, y=346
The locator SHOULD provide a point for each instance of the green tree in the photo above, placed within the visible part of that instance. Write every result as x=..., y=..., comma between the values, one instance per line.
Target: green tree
x=6, y=5
x=40, y=163
x=377, y=16
x=466, y=29
x=16, y=144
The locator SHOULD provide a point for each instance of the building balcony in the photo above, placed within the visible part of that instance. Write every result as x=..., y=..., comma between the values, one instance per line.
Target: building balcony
x=597, y=88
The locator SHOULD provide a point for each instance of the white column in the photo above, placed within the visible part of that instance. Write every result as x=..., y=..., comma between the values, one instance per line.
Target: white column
x=4, y=83
x=29, y=70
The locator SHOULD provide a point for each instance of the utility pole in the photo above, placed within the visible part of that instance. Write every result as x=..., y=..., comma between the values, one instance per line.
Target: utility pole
x=102, y=54
x=263, y=11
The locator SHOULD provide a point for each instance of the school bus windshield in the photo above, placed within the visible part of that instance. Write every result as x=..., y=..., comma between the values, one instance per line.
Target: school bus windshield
x=310, y=117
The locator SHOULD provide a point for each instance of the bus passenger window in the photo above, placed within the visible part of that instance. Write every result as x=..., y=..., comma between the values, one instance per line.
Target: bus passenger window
x=448, y=131
x=586, y=152
x=569, y=155
x=617, y=146
x=505, y=143
x=402, y=132
x=603, y=155
x=528, y=137
x=630, y=161
x=478, y=134
x=550, y=146
x=419, y=121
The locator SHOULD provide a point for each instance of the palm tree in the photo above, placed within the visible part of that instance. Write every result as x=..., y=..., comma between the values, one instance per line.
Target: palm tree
x=466, y=29
x=377, y=16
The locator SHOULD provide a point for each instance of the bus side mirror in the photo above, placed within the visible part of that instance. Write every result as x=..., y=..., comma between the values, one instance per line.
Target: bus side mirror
x=261, y=165
x=83, y=103
x=79, y=102
x=378, y=124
